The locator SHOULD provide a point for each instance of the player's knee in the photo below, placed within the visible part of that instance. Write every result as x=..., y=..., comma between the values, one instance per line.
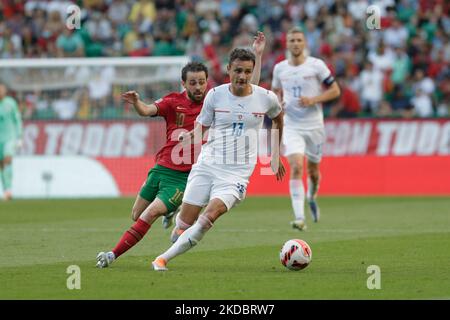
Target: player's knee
x=135, y=214
x=297, y=170
x=212, y=214
x=150, y=215
x=314, y=173
x=155, y=213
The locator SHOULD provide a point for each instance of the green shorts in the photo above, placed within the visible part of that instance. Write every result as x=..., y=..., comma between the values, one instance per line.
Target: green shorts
x=7, y=148
x=165, y=184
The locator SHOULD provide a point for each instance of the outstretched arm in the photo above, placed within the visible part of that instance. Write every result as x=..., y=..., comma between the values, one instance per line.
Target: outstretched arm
x=145, y=110
x=258, y=46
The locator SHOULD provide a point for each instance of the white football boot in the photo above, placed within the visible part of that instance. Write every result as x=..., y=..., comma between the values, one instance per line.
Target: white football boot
x=299, y=224
x=159, y=264
x=104, y=259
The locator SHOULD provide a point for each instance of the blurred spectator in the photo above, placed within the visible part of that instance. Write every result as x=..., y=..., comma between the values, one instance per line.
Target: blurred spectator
x=396, y=35
x=424, y=83
x=194, y=46
x=245, y=36
x=42, y=108
x=10, y=43
x=130, y=40
x=443, y=109
x=204, y=6
x=371, y=85
x=164, y=33
x=143, y=13
x=100, y=87
x=358, y=9
x=422, y=104
x=411, y=51
x=54, y=23
x=312, y=8
x=438, y=66
x=228, y=7
x=70, y=44
x=383, y=58
x=312, y=35
x=99, y=28
x=58, y=7
x=66, y=105
x=348, y=105
x=118, y=13
x=190, y=26
x=400, y=102
x=401, y=65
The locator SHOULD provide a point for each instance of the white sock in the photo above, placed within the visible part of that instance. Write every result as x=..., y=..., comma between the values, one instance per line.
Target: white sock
x=188, y=239
x=297, y=198
x=312, y=189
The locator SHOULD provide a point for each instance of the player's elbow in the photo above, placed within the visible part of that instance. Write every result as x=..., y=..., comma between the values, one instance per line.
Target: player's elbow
x=140, y=112
x=147, y=112
x=144, y=113
x=336, y=91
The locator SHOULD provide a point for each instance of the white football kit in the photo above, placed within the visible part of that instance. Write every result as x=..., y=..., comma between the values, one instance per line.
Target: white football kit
x=304, y=131
x=229, y=156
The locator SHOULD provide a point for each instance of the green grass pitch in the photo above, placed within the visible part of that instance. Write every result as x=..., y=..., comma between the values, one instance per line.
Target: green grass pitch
x=408, y=238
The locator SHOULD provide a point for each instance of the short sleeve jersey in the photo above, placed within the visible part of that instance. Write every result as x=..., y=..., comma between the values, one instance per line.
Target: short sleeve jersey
x=234, y=123
x=302, y=80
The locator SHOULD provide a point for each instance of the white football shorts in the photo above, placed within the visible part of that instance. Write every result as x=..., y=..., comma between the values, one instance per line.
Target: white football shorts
x=206, y=182
x=305, y=142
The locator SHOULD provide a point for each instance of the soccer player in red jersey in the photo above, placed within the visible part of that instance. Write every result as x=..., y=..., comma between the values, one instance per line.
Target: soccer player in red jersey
x=162, y=193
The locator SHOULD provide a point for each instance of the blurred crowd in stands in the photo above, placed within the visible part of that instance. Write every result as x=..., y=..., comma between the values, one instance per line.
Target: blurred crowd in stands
x=399, y=70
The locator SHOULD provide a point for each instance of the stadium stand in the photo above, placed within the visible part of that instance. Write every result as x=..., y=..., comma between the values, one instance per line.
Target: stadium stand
x=401, y=70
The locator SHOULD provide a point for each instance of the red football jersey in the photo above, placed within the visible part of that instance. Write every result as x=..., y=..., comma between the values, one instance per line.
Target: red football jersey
x=180, y=112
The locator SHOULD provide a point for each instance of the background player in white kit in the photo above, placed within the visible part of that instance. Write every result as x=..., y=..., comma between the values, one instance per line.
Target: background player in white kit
x=234, y=113
x=298, y=83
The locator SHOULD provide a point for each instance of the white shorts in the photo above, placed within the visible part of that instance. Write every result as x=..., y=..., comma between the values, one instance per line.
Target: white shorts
x=206, y=182
x=305, y=142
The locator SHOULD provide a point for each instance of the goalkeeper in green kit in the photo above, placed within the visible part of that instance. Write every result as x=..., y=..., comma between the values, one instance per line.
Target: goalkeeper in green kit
x=10, y=138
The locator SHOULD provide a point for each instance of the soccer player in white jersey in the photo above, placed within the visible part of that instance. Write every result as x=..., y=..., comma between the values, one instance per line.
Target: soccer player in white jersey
x=298, y=82
x=233, y=113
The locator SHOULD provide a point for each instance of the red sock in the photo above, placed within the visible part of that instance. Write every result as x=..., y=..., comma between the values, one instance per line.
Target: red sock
x=131, y=237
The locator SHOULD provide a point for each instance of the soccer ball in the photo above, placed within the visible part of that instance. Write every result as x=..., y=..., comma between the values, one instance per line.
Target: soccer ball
x=295, y=254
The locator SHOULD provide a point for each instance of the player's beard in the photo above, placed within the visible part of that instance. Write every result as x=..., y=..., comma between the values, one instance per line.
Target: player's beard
x=193, y=97
x=296, y=54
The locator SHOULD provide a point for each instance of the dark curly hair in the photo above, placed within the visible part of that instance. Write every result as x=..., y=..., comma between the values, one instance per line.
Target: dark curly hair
x=242, y=54
x=193, y=67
